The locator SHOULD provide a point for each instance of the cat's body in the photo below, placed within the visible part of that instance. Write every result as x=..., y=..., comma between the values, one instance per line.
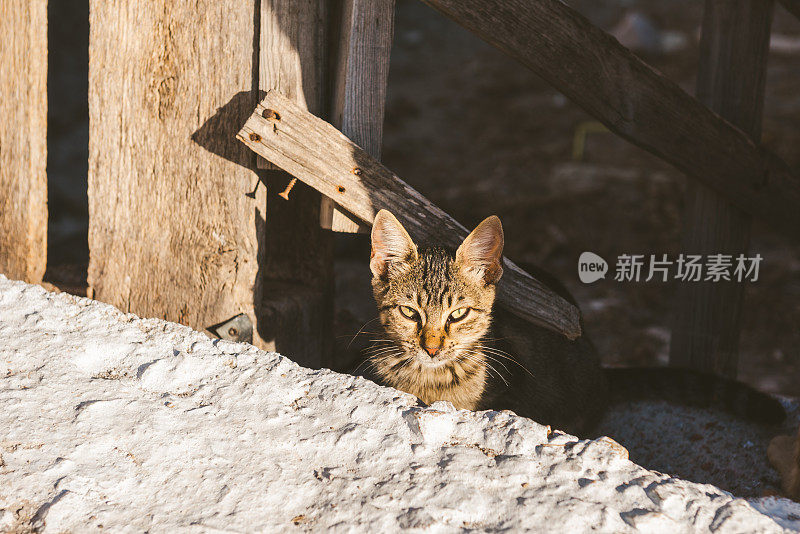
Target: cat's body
x=445, y=339
x=557, y=382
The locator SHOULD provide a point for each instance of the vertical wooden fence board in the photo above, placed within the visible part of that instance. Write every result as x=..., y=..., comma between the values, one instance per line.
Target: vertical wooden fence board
x=292, y=53
x=359, y=97
x=362, y=71
x=733, y=59
x=23, y=139
x=298, y=263
x=174, y=229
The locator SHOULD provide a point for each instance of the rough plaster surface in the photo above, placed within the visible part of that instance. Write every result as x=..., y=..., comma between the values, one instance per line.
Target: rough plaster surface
x=109, y=422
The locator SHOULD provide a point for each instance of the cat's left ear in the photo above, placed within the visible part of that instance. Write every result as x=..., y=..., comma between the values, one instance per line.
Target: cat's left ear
x=393, y=251
x=481, y=252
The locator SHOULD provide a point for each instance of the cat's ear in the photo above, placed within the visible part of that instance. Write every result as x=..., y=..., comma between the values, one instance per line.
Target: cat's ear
x=481, y=252
x=392, y=247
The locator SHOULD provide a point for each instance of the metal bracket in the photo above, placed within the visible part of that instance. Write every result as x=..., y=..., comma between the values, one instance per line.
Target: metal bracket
x=237, y=328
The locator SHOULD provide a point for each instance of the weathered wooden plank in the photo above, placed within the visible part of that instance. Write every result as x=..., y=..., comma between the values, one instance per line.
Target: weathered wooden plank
x=362, y=71
x=318, y=154
x=633, y=100
x=23, y=139
x=336, y=219
x=359, y=98
x=174, y=230
x=733, y=63
x=291, y=53
x=293, y=61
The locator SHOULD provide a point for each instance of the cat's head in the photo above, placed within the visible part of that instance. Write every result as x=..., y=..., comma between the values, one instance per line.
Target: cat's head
x=433, y=304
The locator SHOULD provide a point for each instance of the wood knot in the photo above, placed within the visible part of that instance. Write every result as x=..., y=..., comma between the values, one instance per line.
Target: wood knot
x=255, y=137
x=271, y=115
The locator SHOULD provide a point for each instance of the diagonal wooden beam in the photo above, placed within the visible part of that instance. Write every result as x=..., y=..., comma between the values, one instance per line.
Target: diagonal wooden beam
x=792, y=6
x=321, y=156
x=633, y=100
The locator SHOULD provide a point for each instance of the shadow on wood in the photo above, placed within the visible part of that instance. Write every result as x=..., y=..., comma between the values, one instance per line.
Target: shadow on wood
x=288, y=314
x=218, y=133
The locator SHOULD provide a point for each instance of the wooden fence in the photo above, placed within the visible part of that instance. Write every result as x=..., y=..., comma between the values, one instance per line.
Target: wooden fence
x=181, y=228
x=23, y=139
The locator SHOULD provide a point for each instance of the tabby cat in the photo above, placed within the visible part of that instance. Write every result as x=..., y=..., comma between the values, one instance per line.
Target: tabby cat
x=444, y=339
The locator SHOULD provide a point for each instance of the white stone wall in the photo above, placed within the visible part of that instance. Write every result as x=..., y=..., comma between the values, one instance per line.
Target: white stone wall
x=113, y=423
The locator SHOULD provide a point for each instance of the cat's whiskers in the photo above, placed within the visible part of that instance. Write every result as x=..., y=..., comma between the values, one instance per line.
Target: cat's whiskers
x=380, y=351
x=502, y=354
x=360, y=330
x=474, y=354
x=489, y=368
x=487, y=356
x=384, y=355
x=376, y=362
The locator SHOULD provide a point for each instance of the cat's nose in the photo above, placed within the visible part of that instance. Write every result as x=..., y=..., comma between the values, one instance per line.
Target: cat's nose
x=433, y=351
x=432, y=342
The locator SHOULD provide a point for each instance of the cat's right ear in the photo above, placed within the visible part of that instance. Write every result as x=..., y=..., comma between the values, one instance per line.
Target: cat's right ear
x=392, y=247
x=481, y=253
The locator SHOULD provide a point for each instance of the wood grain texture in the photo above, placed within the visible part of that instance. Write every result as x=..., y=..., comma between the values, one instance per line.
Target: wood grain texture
x=293, y=60
x=733, y=63
x=174, y=231
x=291, y=55
x=318, y=154
x=23, y=139
x=633, y=100
x=359, y=97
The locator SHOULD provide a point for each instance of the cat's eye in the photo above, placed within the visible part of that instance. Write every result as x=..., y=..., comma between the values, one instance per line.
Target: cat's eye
x=458, y=315
x=409, y=312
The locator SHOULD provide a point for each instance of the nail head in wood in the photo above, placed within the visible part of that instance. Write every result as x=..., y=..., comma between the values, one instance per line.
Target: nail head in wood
x=255, y=137
x=271, y=114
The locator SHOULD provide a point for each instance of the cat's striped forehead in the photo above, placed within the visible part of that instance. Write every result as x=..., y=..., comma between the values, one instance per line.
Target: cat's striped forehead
x=432, y=281
x=434, y=278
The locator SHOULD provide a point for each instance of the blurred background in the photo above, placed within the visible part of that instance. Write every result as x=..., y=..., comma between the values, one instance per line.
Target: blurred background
x=479, y=134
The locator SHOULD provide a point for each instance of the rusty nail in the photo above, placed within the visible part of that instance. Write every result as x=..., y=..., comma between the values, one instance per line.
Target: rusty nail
x=357, y=171
x=289, y=187
x=233, y=332
x=271, y=114
x=255, y=137
x=341, y=189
